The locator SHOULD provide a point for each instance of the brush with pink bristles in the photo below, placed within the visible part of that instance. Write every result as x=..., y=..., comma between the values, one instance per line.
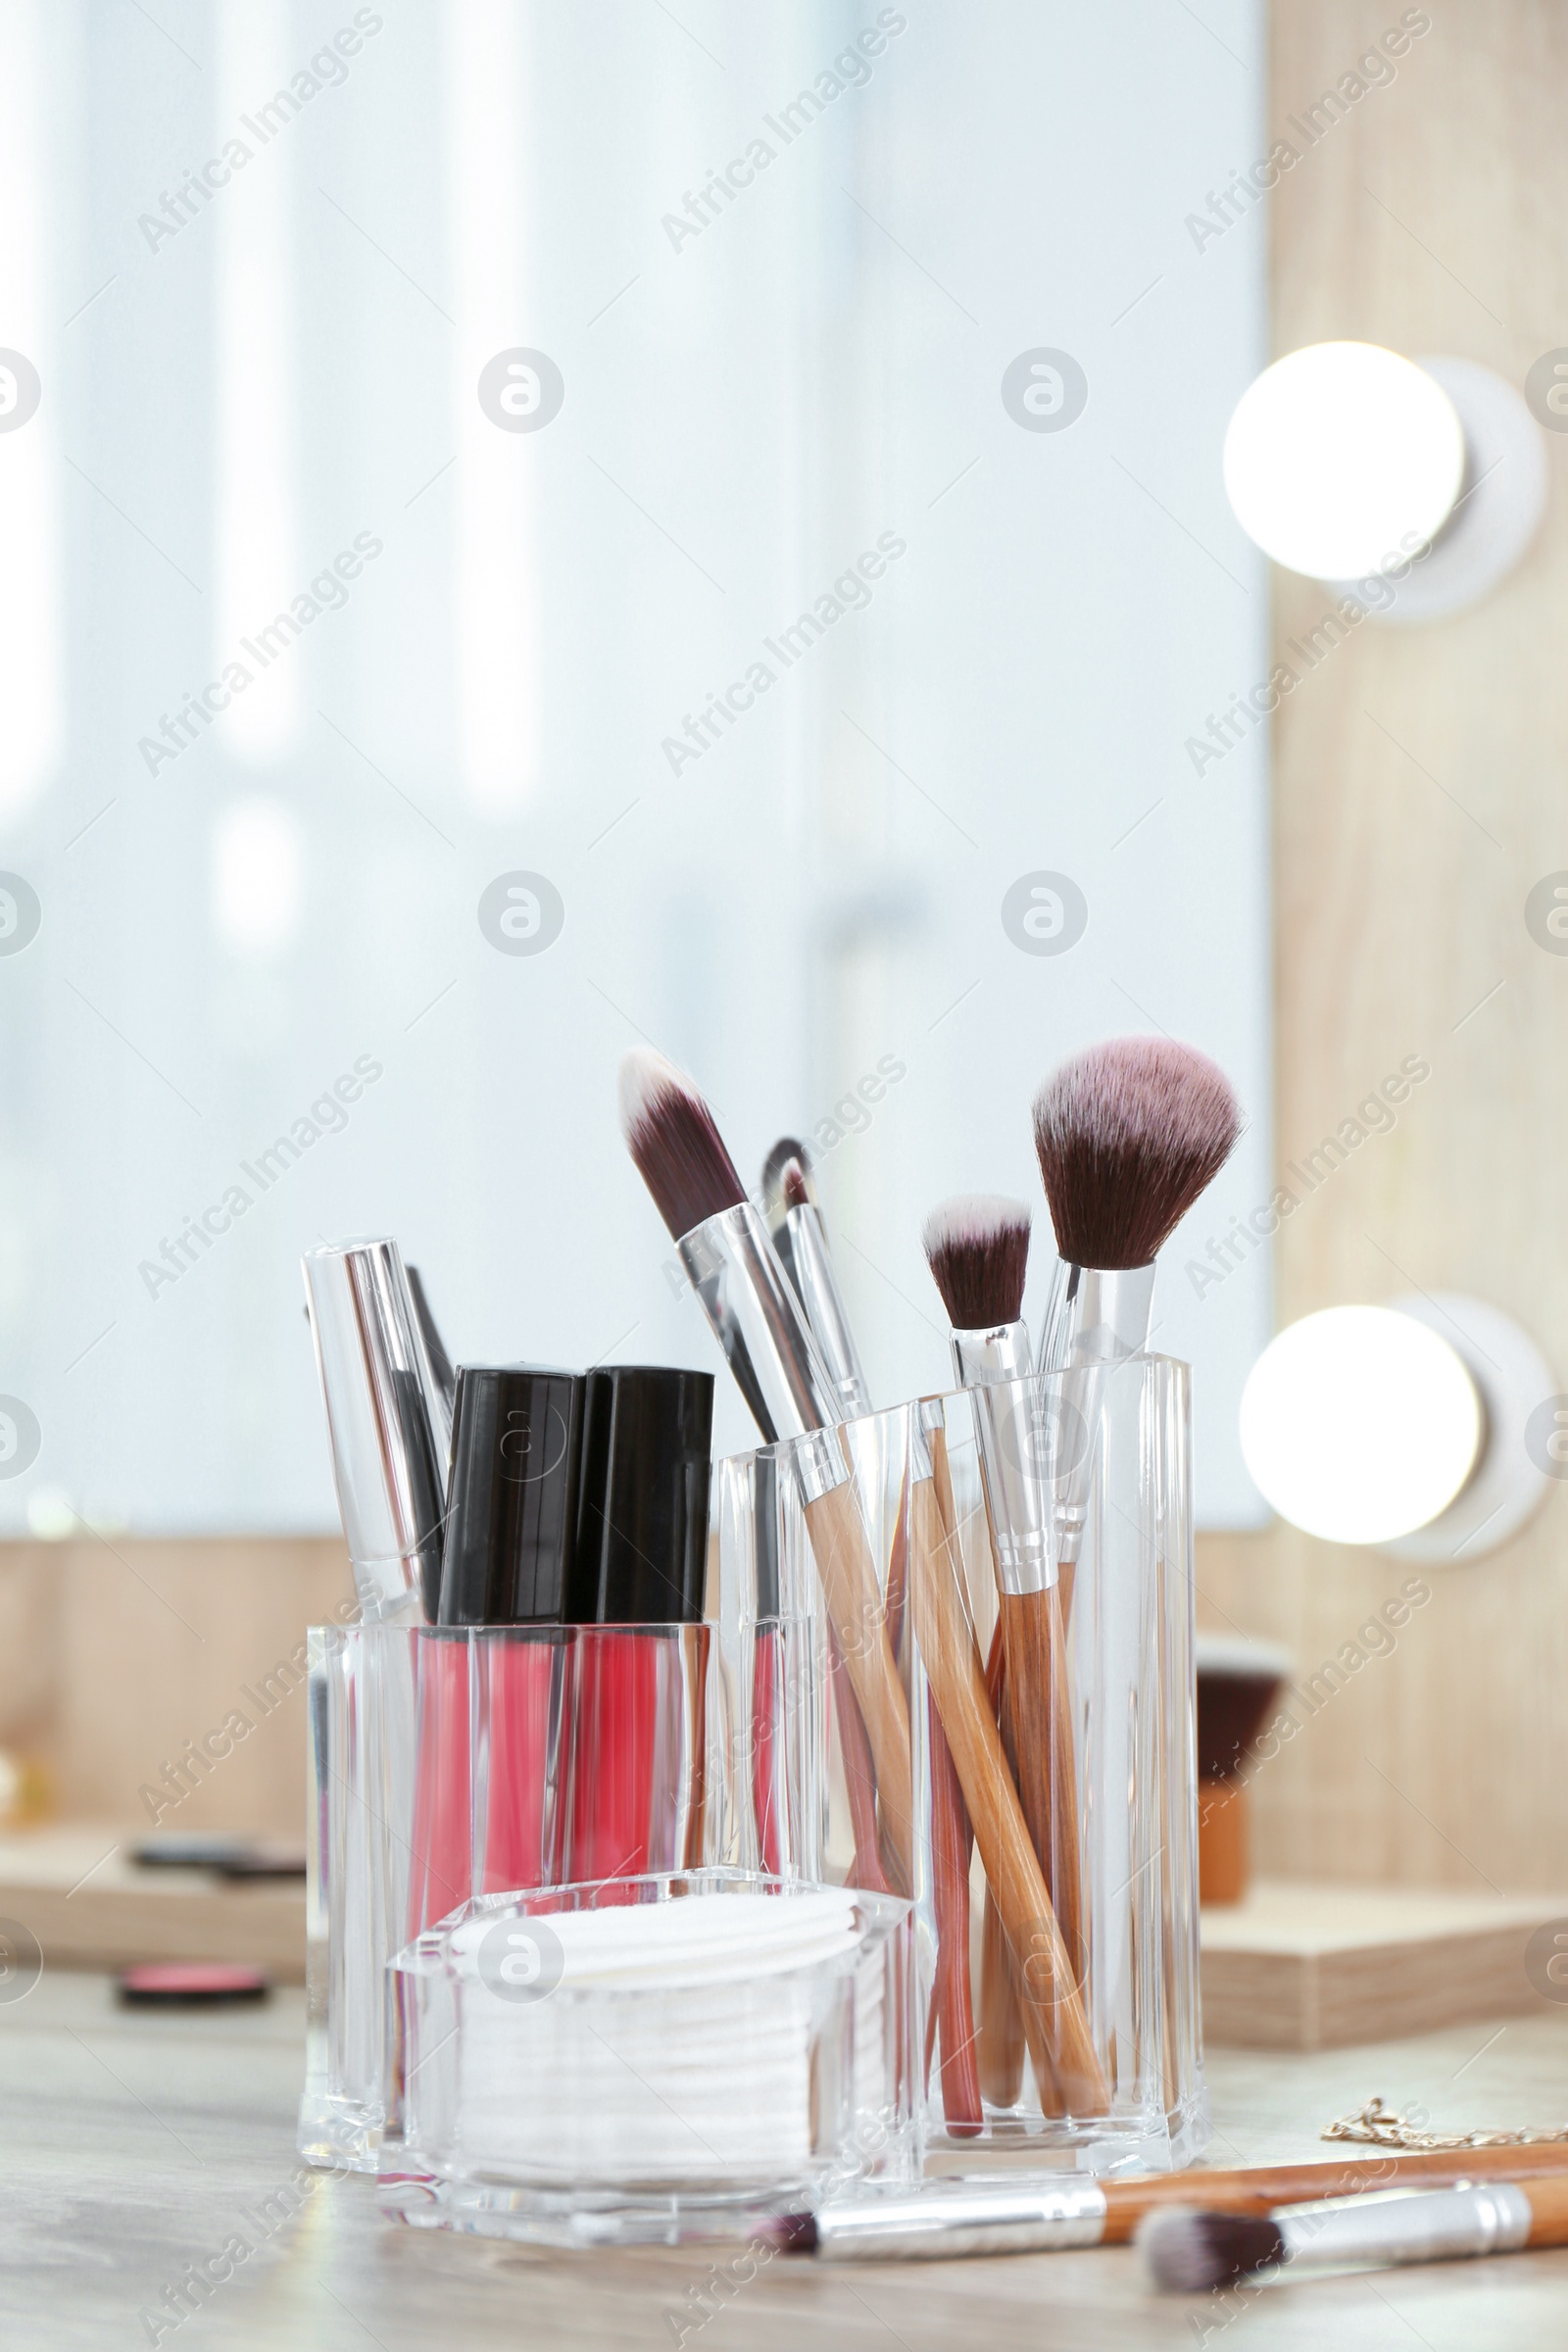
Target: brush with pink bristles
x=1129, y=1134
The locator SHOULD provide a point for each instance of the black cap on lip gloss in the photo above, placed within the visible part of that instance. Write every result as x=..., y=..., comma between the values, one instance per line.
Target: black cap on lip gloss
x=642, y=1512
x=511, y=1498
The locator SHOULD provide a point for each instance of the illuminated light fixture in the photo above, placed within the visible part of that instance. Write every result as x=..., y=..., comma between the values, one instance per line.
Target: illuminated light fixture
x=258, y=876
x=1342, y=458
x=1359, y=1425
x=1355, y=465
x=1400, y=1426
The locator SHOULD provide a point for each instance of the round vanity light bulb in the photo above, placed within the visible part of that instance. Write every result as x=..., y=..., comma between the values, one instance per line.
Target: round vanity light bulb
x=1343, y=458
x=1359, y=1424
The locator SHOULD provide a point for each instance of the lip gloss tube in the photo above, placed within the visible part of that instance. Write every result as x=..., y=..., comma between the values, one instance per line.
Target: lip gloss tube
x=636, y=1606
x=495, y=1709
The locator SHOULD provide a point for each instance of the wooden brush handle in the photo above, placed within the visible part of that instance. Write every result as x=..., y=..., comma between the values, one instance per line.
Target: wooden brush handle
x=1548, y=2211
x=1002, y=2044
x=860, y=1776
x=1002, y=2051
x=1054, y=2025
x=950, y=1839
x=1041, y=1723
x=1270, y=2185
x=856, y=1612
x=764, y=1714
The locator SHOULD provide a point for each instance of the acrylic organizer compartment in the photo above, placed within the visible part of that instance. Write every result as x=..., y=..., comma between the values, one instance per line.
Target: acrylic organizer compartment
x=1022, y=1767
x=448, y=1764
x=649, y=2060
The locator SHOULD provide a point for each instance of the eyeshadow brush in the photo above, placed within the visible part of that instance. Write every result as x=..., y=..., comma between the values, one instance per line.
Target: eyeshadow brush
x=977, y=1247
x=795, y=1223
x=1187, y=2252
x=760, y=1324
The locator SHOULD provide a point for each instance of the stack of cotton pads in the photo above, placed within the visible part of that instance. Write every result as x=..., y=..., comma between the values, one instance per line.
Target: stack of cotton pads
x=677, y=2042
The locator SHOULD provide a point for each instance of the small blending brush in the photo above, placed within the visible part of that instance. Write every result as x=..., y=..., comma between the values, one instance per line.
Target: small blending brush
x=1035, y=2216
x=758, y=1323
x=977, y=1247
x=1188, y=2252
x=794, y=1222
x=1128, y=1134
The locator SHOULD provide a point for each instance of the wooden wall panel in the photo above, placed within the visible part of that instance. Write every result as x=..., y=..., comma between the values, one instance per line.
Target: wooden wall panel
x=146, y=1646
x=1421, y=788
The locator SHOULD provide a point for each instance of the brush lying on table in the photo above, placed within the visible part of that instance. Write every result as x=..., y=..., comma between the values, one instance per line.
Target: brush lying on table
x=1052, y=2215
x=1187, y=2252
x=760, y=1324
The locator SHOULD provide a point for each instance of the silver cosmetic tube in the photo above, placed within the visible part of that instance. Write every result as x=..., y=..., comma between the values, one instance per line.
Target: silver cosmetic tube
x=942, y=2221
x=815, y=1278
x=1094, y=1318
x=389, y=1425
x=768, y=1343
x=1433, y=2227
x=1018, y=1452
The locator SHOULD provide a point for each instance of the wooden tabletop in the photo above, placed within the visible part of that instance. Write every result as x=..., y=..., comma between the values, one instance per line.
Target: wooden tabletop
x=137, y=2143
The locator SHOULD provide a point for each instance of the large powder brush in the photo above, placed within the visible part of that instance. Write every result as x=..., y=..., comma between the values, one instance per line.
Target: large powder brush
x=1129, y=1133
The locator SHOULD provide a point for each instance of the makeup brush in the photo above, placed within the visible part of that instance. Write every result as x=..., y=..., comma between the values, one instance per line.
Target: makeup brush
x=1188, y=2252
x=1238, y=1681
x=1052, y=2215
x=1128, y=1134
x=990, y=1316
x=446, y=1379
x=760, y=1324
x=794, y=1222
x=1055, y=2022
x=977, y=1247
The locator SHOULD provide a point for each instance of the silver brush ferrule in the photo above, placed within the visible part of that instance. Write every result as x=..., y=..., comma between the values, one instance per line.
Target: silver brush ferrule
x=1019, y=1451
x=758, y=1323
x=1097, y=1316
x=942, y=2221
x=1430, y=2227
x=810, y=1263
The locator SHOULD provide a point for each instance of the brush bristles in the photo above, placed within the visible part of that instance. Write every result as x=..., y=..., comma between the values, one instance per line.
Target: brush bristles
x=977, y=1247
x=797, y=1192
x=774, y=1204
x=679, y=1151
x=1129, y=1134
x=1187, y=2252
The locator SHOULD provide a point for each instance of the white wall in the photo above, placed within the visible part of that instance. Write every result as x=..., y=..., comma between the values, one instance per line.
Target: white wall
x=746, y=411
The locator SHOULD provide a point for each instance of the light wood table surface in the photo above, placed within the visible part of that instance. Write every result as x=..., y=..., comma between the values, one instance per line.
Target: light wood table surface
x=137, y=2142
